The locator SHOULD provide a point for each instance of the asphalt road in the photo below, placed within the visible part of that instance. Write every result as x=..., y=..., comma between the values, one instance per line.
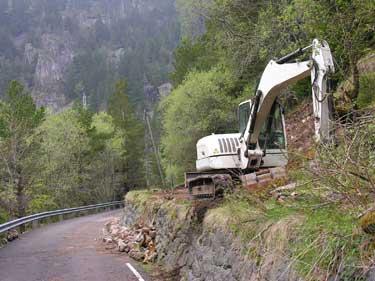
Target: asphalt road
x=70, y=250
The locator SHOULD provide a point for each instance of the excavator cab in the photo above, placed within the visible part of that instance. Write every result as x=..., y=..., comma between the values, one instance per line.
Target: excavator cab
x=272, y=135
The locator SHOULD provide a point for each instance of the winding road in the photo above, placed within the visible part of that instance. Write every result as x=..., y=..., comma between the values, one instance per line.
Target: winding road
x=70, y=250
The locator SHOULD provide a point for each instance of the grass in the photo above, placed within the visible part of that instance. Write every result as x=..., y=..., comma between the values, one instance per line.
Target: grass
x=149, y=202
x=318, y=238
x=328, y=240
x=139, y=197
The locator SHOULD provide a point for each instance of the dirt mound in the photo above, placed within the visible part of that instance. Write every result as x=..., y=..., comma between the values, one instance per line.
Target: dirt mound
x=300, y=128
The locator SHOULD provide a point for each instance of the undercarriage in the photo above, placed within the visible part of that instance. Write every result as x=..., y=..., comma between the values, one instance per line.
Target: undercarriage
x=206, y=185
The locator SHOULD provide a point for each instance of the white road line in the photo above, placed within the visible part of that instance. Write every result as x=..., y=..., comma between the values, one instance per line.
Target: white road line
x=135, y=272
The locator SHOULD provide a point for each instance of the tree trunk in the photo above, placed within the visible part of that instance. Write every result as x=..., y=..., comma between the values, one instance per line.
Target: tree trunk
x=355, y=75
x=21, y=202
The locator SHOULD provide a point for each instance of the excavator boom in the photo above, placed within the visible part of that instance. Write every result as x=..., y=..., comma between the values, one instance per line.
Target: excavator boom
x=277, y=76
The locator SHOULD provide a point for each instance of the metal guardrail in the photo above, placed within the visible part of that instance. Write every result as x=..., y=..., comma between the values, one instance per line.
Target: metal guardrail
x=18, y=222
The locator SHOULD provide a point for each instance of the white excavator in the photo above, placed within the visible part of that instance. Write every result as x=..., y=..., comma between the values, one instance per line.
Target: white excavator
x=257, y=154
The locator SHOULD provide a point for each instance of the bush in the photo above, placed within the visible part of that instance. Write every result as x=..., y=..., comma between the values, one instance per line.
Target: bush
x=366, y=94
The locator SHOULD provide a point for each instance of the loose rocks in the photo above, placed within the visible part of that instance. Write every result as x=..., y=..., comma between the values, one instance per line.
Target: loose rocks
x=138, y=241
x=12, y=235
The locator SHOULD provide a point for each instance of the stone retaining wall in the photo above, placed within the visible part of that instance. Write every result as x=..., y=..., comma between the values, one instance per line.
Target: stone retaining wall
x=198, y=252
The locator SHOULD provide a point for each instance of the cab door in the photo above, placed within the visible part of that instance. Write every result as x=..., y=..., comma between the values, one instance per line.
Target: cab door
x=272, y=139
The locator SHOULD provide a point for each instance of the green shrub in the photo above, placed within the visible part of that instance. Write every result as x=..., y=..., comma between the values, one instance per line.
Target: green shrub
x=3, y=216
x=366, y=94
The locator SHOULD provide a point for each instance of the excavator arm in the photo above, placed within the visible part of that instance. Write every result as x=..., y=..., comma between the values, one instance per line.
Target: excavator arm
x=277, y=76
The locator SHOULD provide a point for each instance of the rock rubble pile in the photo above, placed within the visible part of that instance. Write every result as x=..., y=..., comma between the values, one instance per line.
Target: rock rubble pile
x=8, y=237
x=138, y=241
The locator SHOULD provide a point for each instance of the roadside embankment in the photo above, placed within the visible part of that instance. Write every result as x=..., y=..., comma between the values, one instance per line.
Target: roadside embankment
x=256, y=235
x=198, y=241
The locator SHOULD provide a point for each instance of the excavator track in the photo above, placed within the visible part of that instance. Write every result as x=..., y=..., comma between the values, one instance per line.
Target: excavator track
x=203, y=186
x=207, y=186
x=202, y=196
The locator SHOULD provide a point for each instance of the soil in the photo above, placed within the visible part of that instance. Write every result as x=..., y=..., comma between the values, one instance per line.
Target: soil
x=181, y=193
x=300, y=128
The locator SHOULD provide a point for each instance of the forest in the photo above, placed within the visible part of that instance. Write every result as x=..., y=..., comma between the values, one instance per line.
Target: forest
x=64, y=152
x=73, y=158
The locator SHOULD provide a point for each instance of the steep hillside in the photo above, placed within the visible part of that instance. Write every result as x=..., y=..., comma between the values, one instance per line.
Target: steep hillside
x=64, y=49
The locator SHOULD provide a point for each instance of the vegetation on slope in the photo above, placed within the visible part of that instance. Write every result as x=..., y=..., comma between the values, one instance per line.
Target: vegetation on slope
x=201, y=104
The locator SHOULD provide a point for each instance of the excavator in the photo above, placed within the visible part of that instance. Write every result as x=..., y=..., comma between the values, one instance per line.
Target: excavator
x=257, y=153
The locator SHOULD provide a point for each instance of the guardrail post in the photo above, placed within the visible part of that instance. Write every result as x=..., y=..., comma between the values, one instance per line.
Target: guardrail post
x=61, y=217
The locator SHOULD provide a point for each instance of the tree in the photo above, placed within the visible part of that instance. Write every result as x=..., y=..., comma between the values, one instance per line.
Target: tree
x=192, y=23
x=123, y=116
x=347, y=25
x=19, y=144
x=64, y=151
x=191, y=55
x=203, y=104
x=82, y=156
x=107, y=178
x=90, y=73
x=253, y=32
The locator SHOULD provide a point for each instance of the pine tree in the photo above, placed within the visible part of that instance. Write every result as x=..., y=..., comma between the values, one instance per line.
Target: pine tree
x=121, y=110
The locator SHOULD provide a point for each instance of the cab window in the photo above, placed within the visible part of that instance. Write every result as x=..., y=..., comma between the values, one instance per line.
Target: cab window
x=243, y=115
x=275, y=137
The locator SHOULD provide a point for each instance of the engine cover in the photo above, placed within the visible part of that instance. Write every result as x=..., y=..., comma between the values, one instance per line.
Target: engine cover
x=220, y=152
x=216, y=152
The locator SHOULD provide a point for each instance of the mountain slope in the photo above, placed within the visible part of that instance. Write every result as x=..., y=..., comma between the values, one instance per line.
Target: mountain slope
x=64, y=49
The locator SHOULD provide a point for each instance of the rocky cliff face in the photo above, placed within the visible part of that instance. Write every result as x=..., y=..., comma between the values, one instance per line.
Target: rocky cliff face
x=53, y=59
x=51, y=34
